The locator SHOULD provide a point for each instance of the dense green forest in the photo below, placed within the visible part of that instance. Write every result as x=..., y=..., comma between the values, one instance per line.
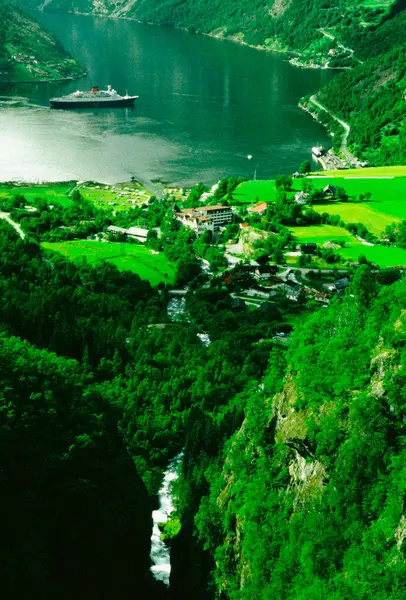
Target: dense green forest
x=292, y=484
x=305, y=500
x=88, y=382
x=76, y=516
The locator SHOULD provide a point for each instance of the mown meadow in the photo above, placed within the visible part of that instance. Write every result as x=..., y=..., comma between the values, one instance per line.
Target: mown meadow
x=126, y=257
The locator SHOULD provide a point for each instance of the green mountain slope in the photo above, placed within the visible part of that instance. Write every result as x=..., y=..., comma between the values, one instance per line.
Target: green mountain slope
x=305, y=500
x=28, y=52
x=291, y=24
x=372, y=97
x=76, y=516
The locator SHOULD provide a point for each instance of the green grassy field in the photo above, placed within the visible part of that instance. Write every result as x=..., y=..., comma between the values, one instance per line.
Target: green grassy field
x=384, y=256
x=395, y=171
x=137, y=259
x=387, y=203
x=380, y=255
x=116, y=197
x=53, y=193
x=320, y=234
x=373, y=220
x=255, y=190
x=392, y=192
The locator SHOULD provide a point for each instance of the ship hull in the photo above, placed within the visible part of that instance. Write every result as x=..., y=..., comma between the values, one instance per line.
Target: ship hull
x=68, y=104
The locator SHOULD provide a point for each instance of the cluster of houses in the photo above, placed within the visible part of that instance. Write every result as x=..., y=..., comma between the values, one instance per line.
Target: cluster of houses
x=260, y=283
x=330, y=191
x=25, y=59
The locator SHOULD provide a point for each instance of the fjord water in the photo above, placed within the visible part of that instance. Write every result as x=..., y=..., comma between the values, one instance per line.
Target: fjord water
x=204, y=106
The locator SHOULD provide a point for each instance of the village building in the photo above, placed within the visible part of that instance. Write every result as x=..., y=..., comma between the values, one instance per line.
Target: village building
x=266, y=272
x=330, y=190
x=258, y=209
x=238, y=304
x=308, y=248
x=117, y=230
x=136, y=233
x=291, y=290
x=301, y=198
x=205, y=218
x=339, y=285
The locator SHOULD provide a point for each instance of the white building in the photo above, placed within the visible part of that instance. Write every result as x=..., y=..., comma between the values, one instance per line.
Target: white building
x=132, y=232
x=301, y=198
x=205, y=218
x=137, y=233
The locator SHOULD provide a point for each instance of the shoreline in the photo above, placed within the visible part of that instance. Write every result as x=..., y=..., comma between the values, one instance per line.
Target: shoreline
x=218, y=36
x=35, y=81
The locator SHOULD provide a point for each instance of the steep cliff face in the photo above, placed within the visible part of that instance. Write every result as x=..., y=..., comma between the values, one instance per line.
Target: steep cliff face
x=307, y=500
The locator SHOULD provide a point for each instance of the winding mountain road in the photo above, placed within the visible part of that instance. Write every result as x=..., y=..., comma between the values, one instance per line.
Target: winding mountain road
x=349, y=50
x=350, y=158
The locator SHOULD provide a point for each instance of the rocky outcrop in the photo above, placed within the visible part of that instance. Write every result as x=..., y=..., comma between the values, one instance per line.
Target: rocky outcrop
x=279, y=7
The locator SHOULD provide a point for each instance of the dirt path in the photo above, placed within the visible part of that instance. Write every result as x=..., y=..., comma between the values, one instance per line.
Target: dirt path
x=6, y=217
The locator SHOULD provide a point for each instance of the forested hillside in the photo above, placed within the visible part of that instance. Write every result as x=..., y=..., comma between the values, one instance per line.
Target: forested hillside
x=372, y=97
x=293, y=480
x=292, y=24
x=305, y=499
x=75, y=514
x=28, y=52
x=93, y=373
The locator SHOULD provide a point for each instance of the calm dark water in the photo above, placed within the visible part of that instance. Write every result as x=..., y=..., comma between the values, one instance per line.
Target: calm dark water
x=204, y=106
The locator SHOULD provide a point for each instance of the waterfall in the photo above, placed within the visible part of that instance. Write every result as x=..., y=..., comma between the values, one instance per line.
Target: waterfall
x=160, y=553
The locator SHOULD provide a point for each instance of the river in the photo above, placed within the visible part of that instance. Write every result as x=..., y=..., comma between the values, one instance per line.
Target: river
x=160, y=552
x=205, y=105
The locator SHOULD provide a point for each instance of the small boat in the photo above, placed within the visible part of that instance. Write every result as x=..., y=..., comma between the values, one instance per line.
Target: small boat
x=94, y=99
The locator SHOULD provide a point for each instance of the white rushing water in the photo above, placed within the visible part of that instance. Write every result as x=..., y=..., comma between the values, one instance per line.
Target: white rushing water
x=160, y=553
x=176, y=309
x=204, y=338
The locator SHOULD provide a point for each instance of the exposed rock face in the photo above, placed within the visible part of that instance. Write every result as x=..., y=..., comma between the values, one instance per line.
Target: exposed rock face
x=307, y=478
x=279, y=7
